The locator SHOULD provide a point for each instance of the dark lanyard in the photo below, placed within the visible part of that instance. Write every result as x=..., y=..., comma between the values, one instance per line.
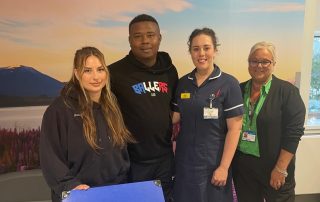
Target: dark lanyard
x=252, y=109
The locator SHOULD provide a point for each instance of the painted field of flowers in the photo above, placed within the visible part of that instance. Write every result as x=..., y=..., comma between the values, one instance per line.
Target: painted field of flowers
x=19, y=150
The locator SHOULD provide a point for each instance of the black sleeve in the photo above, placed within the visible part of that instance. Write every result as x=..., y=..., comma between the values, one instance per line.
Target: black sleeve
x=174, y=81
x=294, y=117
x=176, y=96
x=53, y=152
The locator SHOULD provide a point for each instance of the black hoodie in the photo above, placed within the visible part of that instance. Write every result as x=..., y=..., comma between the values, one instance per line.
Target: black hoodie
x=66, y=158
x=144, y=95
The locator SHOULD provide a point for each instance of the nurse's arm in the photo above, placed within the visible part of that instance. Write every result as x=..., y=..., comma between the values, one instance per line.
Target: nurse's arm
x=220, y=175
x=175, y=117
x=234, y=125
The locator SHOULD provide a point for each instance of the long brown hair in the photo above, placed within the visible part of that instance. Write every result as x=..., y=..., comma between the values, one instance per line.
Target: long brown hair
x=112, y=114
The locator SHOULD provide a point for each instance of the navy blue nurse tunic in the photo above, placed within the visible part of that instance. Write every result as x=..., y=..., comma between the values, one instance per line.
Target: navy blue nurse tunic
x=201, y=141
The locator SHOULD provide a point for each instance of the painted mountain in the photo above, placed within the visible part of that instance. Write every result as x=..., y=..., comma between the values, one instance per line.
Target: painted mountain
x=25, y=86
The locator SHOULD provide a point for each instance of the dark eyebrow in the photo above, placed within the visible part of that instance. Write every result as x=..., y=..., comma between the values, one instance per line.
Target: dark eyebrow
x=205, y=45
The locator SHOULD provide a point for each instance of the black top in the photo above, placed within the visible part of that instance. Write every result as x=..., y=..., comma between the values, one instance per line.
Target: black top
x=66, y=158
x=280, y=122
x=144, y=95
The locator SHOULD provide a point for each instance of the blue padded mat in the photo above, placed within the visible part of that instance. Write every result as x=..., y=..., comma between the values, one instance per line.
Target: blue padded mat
x=148, y=191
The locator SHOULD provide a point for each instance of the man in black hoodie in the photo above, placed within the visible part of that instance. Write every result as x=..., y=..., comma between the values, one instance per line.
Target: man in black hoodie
x=144, y=82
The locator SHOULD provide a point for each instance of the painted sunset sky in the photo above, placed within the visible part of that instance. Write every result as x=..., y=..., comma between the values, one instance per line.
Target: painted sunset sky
x=45, y=34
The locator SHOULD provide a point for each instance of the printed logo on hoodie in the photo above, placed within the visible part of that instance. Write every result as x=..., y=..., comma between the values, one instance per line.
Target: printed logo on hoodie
x=150, y=87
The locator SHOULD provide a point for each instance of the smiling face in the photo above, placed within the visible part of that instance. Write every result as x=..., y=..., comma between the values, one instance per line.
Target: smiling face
x=144, y=39
x=93, y=77
x=261, y=65
x=202, y=52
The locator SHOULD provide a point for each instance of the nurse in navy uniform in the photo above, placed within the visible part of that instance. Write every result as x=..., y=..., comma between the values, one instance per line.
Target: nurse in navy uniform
x=209, y=107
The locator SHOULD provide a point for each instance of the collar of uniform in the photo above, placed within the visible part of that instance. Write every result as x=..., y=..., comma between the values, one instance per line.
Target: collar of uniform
x=215, y=74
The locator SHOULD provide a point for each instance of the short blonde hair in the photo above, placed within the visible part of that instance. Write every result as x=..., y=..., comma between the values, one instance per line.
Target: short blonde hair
x=266, y=45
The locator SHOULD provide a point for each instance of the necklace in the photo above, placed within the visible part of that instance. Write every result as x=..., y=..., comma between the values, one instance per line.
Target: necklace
x=254, y=94
x=254, y=97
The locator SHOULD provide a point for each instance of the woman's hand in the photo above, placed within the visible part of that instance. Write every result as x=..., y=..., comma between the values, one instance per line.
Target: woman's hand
x=219, y=177
x=81, y=187
x=277, y=179
x=279, y=172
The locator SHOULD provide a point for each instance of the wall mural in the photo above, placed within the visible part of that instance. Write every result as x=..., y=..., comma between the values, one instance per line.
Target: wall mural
x=38, y=40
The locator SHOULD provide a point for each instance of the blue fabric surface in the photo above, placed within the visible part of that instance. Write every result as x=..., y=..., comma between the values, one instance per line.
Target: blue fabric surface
x=134, y=192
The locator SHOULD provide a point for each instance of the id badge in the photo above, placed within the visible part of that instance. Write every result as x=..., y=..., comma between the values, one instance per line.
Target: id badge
x=210, y=113
x=249, y=136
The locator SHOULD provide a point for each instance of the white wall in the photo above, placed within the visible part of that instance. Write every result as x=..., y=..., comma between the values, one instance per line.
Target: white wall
x=308, y=165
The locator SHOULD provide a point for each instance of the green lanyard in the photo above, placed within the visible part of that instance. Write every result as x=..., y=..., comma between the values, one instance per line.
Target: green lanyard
x=249, y=125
